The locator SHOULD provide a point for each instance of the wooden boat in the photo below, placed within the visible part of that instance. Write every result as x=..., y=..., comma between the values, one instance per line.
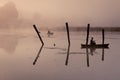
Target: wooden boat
x=95, y=46
x=49, y=33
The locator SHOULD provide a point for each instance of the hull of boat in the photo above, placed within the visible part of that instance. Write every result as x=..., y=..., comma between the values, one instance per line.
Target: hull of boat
x=95, y=46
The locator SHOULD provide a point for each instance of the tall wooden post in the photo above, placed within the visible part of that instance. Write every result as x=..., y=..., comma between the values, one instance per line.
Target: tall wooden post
x=87, y=38
x=38, y=34
x=103, y=37
x=67, y=28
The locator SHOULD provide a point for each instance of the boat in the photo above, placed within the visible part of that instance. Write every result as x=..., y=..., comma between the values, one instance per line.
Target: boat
x=49, y=33
x=95, y=46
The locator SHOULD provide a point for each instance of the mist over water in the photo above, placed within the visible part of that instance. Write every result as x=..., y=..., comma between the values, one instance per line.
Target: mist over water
x=19, y=51
x=23, y=57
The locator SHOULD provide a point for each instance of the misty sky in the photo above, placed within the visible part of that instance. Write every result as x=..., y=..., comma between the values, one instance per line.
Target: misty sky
x=57, y=12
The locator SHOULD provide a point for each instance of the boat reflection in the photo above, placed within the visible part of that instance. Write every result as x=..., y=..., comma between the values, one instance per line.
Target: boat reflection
x=92, y=51
x=89, y=51
x=38, y=55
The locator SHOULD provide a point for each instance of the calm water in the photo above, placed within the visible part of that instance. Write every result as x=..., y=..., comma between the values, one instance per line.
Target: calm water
x=20, y=57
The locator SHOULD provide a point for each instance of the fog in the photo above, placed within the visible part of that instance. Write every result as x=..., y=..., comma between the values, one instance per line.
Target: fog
x=8, y=15
x=54, y=13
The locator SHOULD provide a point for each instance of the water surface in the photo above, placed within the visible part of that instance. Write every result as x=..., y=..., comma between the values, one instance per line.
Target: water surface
x=22, y=57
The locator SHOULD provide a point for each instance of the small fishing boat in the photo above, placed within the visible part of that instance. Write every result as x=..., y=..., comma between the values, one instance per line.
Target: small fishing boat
x=49, y=33
x=95, y=46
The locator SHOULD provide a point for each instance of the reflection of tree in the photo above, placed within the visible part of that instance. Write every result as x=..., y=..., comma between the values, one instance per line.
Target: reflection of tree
x=8, y=43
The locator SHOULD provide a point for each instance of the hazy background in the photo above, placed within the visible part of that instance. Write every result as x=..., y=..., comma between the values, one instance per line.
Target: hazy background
x=54, y=13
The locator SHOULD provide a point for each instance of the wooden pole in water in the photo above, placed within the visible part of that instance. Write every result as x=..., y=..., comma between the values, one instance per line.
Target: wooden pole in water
x=67, y=28
x=38, y=34
x=87, y=38
x=103, y=37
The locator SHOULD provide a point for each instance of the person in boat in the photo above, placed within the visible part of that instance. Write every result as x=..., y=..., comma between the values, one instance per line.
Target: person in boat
x=92, y=42
x=48, y=32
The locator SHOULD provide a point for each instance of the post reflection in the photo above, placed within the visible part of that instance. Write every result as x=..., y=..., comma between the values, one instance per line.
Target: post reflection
x=38, y=55
x=92, y=51
x=68, y=53
x=89, y=51
x=87, y=54
x=102, y=54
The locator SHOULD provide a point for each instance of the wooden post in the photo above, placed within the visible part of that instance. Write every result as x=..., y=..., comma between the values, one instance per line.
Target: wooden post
x=38, y=34
x=87, y=38
x=103, y=37
x=67, y=28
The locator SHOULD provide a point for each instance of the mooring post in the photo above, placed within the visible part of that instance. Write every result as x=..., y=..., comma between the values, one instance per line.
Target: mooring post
x=87, y=38
x=38, y=34
x=103, y=36
x=103, y=39
x=67, y=28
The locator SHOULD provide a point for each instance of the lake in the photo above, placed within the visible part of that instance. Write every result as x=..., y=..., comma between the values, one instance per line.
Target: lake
x=22, y=57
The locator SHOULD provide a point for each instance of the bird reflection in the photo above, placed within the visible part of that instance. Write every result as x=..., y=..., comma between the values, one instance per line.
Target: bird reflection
x=37, y=55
